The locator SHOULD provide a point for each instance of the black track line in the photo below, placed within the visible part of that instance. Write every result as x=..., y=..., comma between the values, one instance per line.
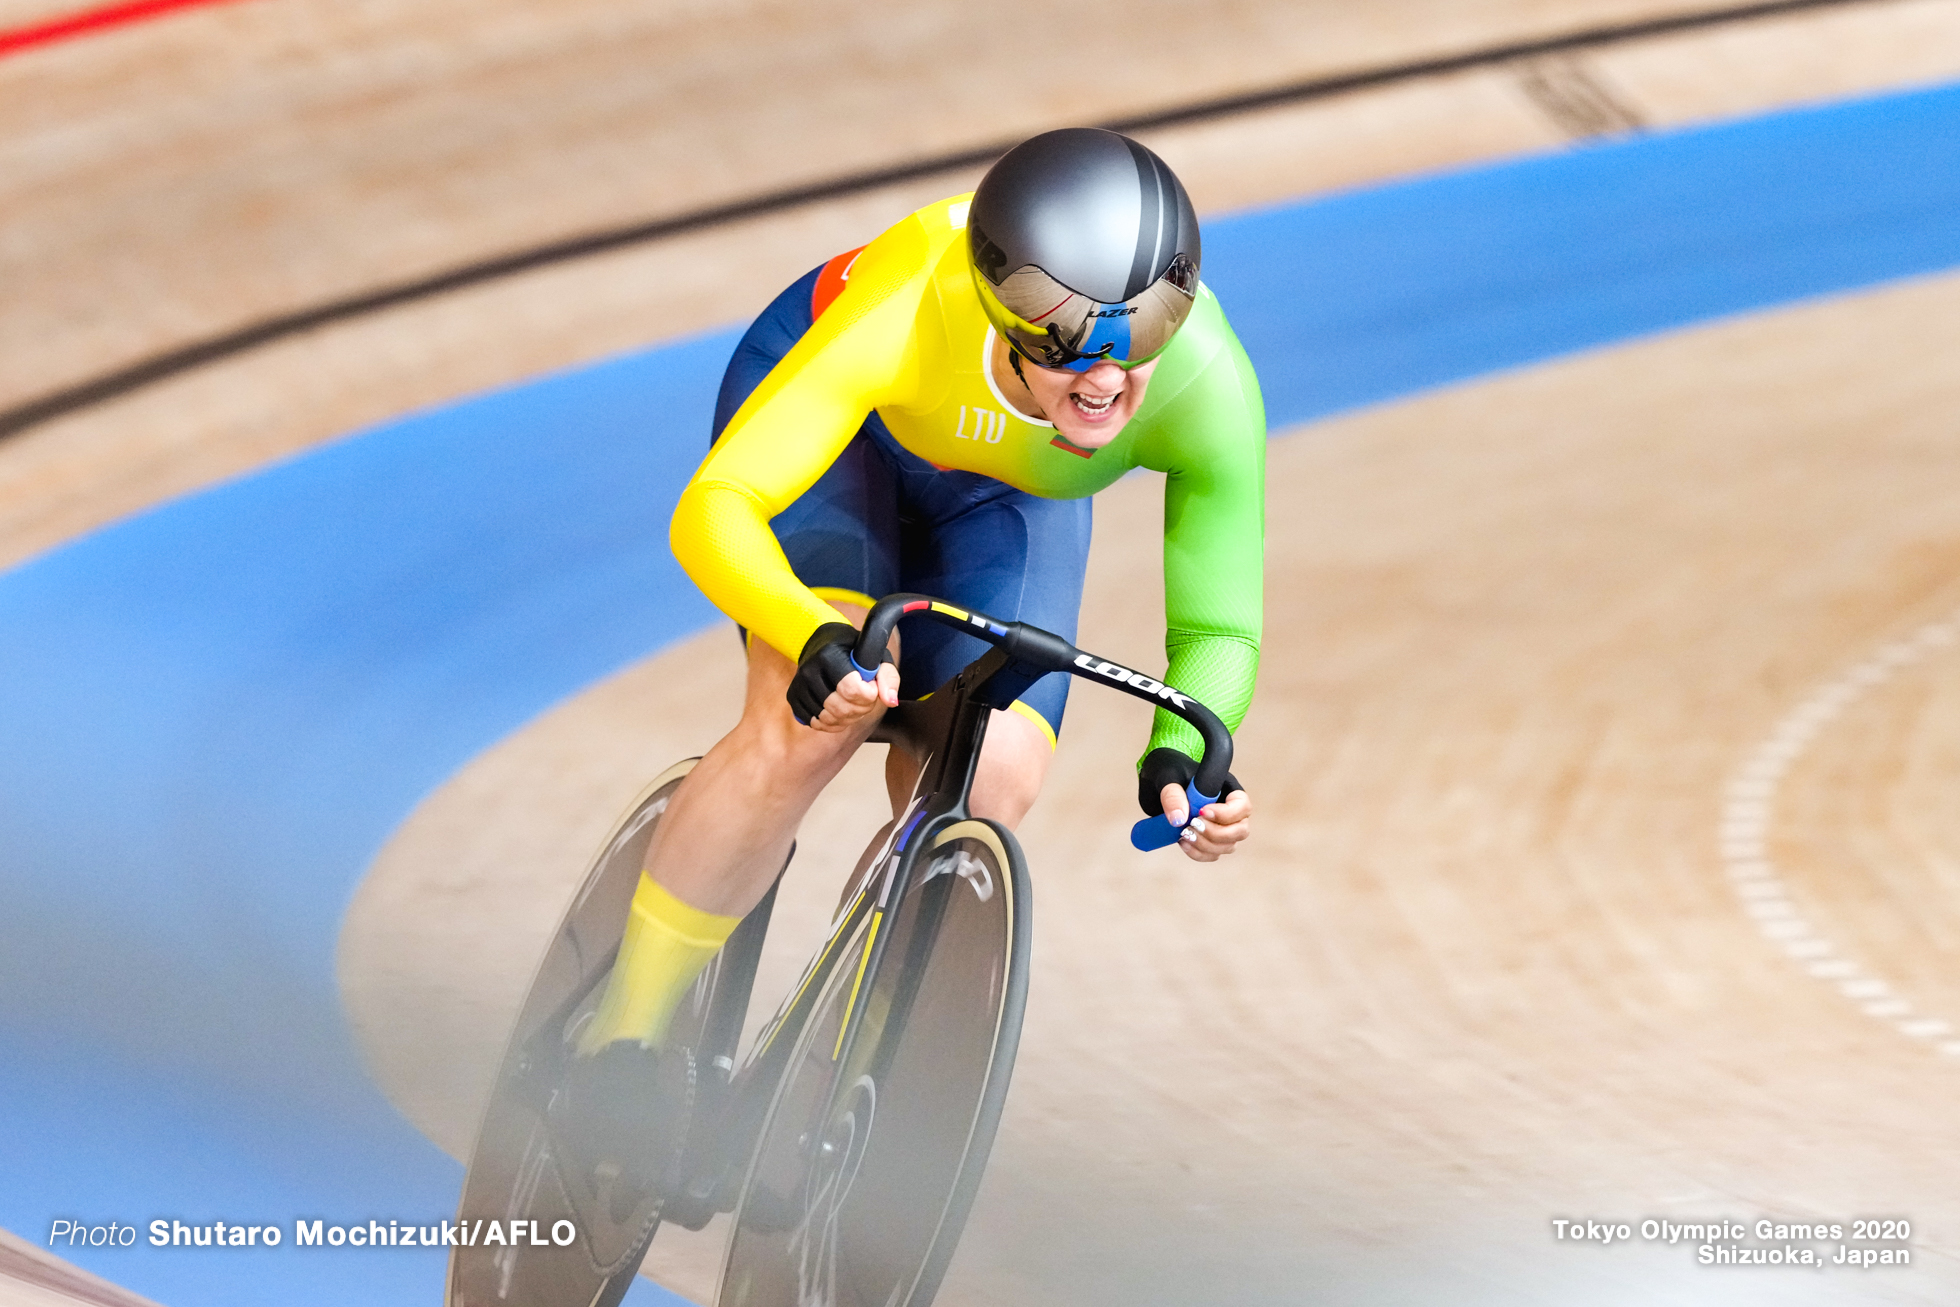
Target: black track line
x=158, y=367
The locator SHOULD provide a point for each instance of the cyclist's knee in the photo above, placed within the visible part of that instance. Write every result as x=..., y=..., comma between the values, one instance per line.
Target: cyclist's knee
x=774, y=738
x=1013, y=765
x=770, y=732
x=770, y=738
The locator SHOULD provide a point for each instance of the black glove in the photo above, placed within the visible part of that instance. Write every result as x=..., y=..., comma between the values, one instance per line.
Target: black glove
x=1167, y=766
x=826, y=660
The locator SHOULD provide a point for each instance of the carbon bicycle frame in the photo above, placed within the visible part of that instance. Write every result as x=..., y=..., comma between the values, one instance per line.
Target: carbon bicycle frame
x=946, y=729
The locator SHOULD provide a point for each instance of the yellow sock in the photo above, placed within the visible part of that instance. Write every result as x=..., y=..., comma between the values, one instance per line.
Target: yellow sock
x=667, y=944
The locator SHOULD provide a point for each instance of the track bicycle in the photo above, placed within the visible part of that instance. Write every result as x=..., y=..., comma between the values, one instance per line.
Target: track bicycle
x=849, y=1143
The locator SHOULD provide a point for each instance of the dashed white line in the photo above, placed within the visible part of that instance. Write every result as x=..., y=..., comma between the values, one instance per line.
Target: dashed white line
x=1749, y=813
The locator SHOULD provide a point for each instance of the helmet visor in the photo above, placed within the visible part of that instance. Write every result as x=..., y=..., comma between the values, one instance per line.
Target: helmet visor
x=1054, y=327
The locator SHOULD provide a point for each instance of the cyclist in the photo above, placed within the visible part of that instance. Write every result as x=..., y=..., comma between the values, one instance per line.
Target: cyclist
x=931, y=413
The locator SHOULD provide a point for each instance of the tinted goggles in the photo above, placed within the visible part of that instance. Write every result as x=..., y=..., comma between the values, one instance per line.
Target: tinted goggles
x=1056, y=354
x=1054, y=327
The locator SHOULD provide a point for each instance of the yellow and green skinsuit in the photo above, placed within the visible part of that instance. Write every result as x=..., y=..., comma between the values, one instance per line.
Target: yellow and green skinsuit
x=906, y=337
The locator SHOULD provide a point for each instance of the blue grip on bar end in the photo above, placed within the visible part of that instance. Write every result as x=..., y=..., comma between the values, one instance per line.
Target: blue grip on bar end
x=1157, y=832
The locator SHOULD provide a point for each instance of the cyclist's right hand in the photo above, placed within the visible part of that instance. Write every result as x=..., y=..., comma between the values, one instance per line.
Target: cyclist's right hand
x=828, y=692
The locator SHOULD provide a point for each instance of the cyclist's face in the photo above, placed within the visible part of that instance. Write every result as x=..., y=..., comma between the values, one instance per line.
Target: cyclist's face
x=1089, y=408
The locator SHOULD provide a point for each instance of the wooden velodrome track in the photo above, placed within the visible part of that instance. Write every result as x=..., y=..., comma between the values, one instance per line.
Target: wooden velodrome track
x=1485, y=965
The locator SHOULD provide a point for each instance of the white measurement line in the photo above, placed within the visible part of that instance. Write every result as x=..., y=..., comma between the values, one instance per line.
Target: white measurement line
x=1743, y=838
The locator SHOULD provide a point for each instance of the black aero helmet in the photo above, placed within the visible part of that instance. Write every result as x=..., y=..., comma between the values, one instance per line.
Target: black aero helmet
x=1085, y=248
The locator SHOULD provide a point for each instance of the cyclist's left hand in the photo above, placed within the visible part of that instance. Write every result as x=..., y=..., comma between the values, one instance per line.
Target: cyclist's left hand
x=1218, y=827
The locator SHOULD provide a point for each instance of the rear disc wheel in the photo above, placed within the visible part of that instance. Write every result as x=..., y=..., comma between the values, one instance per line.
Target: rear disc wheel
x=514, y=1173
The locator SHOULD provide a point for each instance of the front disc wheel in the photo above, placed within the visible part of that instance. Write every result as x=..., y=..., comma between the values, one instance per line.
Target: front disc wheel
x=880, y=1128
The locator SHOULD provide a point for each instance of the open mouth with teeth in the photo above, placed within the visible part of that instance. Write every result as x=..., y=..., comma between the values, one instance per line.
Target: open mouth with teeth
x=1091, y=406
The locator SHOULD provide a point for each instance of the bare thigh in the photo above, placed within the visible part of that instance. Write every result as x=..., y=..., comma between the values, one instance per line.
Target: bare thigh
x=729, y=828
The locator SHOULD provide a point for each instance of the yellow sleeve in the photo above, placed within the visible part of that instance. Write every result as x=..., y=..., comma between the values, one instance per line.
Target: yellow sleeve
x=858, y=355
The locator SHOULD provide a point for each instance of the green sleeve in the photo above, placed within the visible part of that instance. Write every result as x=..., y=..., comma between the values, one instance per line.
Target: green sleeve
x=1210, y=442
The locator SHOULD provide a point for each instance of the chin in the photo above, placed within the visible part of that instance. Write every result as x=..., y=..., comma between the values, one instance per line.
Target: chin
x=1091, y=437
